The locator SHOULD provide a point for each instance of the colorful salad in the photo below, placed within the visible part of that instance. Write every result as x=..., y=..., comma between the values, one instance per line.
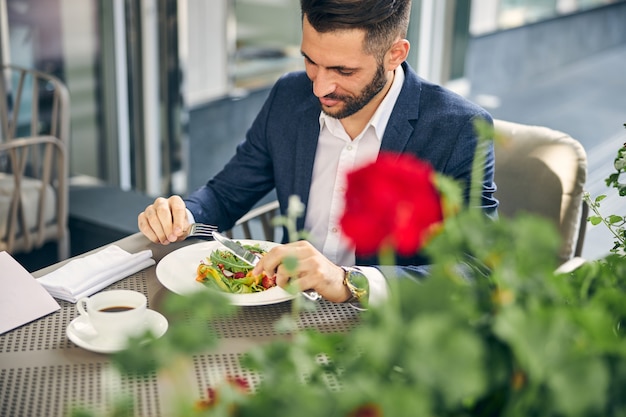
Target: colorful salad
x=223, y=271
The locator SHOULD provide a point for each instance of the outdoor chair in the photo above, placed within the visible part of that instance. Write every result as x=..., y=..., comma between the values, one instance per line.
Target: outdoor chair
x=257, y=220
x=34, y=136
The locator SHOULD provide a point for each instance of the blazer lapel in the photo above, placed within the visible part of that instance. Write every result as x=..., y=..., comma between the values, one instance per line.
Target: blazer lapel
x=406, y=110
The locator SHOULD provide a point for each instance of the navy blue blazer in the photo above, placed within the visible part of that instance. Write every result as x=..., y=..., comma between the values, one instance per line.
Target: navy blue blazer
x=428, y=121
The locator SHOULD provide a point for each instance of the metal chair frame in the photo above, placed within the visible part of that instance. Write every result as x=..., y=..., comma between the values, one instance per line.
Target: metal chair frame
x=39, y=152
x=264, y=214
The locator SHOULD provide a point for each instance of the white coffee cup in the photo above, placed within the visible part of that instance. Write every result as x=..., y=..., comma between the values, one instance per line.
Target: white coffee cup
x=114, y=315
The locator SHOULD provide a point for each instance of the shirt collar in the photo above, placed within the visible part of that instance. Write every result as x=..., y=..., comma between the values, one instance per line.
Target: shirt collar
x=381, y=117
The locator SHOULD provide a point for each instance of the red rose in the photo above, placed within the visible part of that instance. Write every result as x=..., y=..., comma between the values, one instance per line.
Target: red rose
x=367, y=410
x=392, y=201
x=237, y=382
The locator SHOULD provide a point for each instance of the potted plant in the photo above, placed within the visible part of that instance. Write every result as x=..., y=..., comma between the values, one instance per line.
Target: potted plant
x=493, y=330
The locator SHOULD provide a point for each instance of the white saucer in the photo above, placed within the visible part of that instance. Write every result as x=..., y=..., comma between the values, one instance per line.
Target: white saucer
x=79, y=331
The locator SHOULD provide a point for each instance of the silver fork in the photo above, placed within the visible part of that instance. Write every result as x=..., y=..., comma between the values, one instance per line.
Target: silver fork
x=201, y=230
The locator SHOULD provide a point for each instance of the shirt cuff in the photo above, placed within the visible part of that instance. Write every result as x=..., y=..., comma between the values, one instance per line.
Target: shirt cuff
x=190, y=217
x=378, y=291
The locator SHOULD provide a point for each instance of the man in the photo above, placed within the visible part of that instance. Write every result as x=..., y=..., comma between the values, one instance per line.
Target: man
x=357, y=97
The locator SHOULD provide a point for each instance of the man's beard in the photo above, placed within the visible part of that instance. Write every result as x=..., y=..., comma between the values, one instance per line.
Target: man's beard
x=354, y=104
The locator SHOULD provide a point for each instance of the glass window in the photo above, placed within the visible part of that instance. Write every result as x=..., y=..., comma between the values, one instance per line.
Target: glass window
x=268, y=34
x=493, y=15
x=60, y=37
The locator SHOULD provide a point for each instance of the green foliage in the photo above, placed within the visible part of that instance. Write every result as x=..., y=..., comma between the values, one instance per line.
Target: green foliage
x=121, y=407
x=493, y=330
x=615, y=223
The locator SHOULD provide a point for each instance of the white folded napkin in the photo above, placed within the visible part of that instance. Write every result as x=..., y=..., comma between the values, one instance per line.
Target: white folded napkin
x=82, y=277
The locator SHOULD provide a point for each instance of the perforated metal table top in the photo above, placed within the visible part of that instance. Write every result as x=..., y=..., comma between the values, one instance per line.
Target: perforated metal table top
x=42, y=373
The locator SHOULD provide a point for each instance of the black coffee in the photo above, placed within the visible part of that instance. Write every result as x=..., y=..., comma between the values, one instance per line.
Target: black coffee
x=115, y=309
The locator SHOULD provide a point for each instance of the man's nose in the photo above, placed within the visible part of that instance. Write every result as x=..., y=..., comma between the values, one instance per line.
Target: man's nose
x=323, y=83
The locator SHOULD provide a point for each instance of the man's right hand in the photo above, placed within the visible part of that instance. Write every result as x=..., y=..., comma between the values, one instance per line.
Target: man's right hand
x=165, y=220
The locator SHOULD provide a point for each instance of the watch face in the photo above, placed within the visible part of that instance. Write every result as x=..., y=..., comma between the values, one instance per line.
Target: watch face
x=357, y=283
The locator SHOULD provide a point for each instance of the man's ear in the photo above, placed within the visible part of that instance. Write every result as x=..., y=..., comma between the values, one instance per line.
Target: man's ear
x=397, y=54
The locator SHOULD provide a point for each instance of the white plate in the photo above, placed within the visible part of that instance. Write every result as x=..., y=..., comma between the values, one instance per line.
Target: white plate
x=82, y=333
x=177, y=272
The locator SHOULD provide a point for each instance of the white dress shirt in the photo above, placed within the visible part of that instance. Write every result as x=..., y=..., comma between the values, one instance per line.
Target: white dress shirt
x=336, y=155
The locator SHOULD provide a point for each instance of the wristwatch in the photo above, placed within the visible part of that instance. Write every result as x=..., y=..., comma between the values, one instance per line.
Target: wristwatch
x=358, y=285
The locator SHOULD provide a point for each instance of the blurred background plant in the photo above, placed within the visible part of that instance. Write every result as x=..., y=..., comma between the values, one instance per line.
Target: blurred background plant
x=614, y=222
x=493, y=330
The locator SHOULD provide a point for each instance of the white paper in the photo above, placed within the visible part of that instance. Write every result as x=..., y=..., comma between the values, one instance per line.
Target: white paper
x=22, y=298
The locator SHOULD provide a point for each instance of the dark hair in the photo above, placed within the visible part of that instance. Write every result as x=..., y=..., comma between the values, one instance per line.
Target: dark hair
x=382, y=20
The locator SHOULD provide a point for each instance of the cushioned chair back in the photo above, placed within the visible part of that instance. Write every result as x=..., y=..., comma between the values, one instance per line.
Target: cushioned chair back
x=543, y=172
